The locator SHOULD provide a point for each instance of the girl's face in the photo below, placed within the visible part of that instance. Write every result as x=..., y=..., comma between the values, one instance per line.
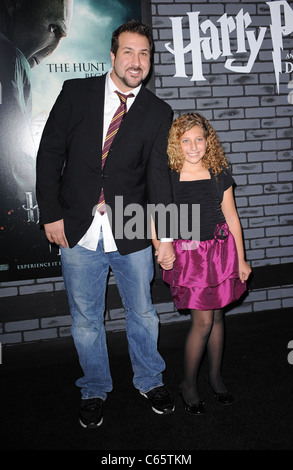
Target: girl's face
x=193, y=145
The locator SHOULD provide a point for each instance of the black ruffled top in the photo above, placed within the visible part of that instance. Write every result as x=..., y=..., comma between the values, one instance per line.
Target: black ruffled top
x=199, y=222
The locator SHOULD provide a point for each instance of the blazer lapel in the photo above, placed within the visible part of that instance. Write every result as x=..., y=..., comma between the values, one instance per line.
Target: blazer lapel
x=132, y=115
x=96, y=96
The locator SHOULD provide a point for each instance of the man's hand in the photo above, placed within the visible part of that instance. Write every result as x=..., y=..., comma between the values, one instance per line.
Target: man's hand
x=55, y=233
x=165, y=255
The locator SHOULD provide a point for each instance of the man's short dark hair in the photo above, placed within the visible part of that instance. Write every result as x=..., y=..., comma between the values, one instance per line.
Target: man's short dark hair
x=132, y=26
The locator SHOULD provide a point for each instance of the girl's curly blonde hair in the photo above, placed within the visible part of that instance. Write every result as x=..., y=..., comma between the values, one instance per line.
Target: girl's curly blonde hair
x=214, y=157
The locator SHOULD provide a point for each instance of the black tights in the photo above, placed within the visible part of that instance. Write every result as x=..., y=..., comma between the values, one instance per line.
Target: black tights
x=207, y=331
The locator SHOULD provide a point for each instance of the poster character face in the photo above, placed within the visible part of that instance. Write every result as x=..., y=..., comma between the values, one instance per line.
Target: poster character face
x=131, y=64
x=38, y=26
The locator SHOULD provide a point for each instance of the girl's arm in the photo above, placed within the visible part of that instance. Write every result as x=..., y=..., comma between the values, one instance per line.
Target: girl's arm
x=232, y=219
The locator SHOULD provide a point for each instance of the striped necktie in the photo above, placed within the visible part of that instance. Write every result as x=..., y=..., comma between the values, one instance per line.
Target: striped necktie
x=112, y=131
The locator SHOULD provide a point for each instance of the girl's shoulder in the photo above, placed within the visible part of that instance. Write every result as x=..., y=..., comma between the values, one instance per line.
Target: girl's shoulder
x=223, y=180
x=225, y=177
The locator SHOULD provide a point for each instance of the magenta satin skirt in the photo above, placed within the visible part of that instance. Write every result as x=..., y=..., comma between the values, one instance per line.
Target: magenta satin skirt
x=205, y=275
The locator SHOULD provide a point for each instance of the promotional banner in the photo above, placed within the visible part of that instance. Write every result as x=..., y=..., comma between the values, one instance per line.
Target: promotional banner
x=213, y=40
x=42, y=44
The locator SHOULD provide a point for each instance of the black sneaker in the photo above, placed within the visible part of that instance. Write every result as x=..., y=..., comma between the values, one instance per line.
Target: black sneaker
x=161, y=400
x=91, y=413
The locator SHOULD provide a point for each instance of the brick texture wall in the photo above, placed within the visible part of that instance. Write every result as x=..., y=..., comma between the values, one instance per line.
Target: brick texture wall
x=252, y=119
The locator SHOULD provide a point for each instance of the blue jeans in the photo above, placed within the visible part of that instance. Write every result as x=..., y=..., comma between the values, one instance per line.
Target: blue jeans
x=85, y=276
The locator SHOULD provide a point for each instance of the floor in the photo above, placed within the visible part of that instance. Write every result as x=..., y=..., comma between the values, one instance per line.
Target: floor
x=39, y=401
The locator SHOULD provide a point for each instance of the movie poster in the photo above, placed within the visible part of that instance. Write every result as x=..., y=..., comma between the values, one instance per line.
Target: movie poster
x=42, y=44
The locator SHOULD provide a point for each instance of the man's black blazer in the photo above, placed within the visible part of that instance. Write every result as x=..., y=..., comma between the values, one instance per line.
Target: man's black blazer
x=69, y=176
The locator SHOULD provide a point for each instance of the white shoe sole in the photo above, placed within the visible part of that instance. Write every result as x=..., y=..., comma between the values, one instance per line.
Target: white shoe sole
x=155, y=409
x=91, y=426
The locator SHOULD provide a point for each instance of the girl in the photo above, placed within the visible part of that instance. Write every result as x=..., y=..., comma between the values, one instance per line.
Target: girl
x=210, y=273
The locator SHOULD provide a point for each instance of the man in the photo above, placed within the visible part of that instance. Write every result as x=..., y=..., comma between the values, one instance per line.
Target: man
x=71, y=179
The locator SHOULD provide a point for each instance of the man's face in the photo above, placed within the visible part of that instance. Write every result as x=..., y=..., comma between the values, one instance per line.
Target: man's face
x=38, y=29
x=131, y=64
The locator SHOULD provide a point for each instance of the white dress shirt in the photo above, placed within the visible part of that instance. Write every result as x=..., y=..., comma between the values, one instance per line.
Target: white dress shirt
x=101, y=222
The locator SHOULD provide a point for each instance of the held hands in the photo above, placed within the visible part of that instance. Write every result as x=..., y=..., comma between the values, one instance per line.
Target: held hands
x=244, y=270
x=55, y=233
x=165, y=254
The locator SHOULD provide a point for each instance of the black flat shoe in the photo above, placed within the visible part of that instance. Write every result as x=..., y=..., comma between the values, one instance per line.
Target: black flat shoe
x=224, y=398
x=197, y=408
